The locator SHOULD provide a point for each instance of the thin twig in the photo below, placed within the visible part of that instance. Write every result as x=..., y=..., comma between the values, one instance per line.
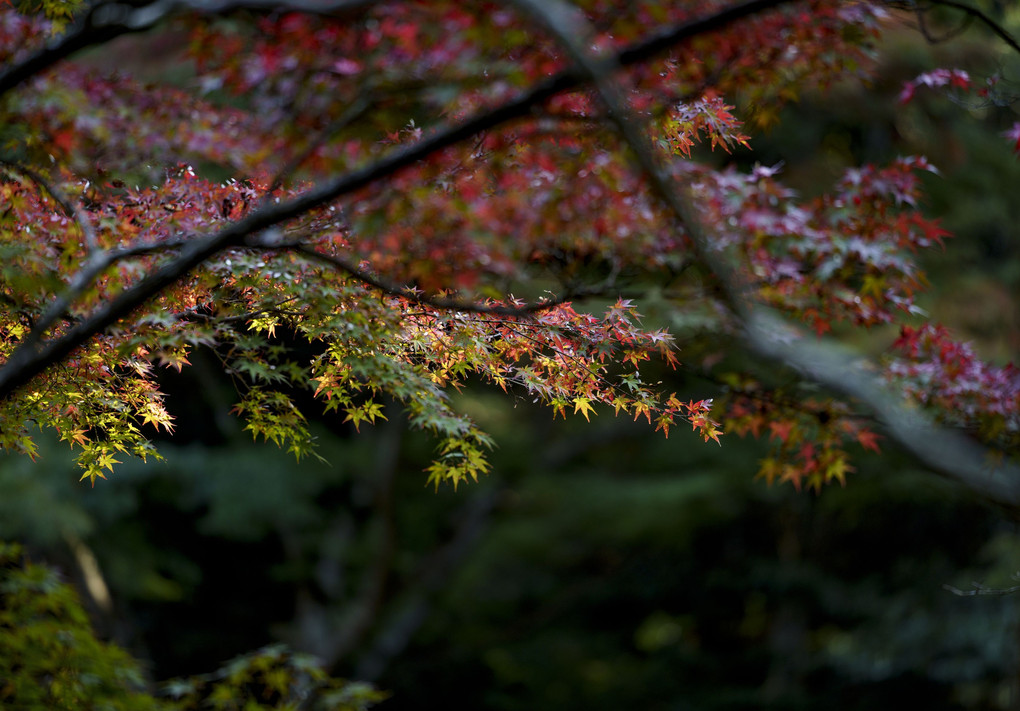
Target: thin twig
x=922, y=26
x=441, y=303
x=978, y=14
x=355, y=111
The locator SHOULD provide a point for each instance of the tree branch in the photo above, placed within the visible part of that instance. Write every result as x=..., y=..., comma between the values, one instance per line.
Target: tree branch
x=443, y=304
x=31, y=358
x=973, y=12
x=102, y=23
x=942, y=450
x=97, y=263
x=922, y=26
x=362, y=613
x=354, y=111
x=980, y=589
x=107, y=20
x=412, y=607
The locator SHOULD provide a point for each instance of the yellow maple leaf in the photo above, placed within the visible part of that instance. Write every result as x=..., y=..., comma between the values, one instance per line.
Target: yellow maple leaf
x=583, y=405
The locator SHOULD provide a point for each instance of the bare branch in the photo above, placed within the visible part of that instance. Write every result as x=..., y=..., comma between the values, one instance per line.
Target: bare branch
x=943, y=450
x=412, y=607
x=572, y=30
x=973, y=12
x=97, y=263
x=922, y=26
x=362, y=612
x=102, y=23
x=33, y=356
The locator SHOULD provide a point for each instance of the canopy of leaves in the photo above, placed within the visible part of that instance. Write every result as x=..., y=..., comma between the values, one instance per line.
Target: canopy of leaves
x=383, y=201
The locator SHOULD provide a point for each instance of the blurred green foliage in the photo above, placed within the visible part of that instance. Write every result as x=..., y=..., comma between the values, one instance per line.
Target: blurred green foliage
x=271, y=678
x=59, y=12
x=610, y=571
x=50, y=658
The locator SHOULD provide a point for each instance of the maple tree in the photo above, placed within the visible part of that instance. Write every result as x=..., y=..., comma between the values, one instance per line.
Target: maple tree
x=423, y=194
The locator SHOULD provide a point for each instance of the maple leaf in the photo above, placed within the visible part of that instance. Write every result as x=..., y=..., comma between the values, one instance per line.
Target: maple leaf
x=837, y=470
x=781, y=429
x=367, y=412
x=583, y=405
x=663, y=422
x=642, y=408
x=712, y=432
x=868, y=440
x=75, y=436
x=156, y=415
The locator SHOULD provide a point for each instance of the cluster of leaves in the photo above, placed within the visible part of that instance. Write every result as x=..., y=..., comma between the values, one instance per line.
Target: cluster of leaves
x=961, y=87
x=271, y=678
x=399, y=282
x=848, y=256
x=808, y=437
x=455, y=58
x=58, y=12
x=938, y=371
